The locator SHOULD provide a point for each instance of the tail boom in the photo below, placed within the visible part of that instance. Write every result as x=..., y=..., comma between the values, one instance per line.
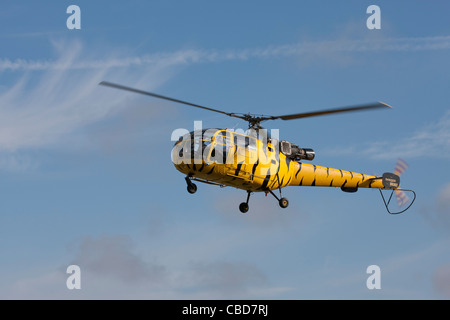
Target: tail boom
x=305, y=174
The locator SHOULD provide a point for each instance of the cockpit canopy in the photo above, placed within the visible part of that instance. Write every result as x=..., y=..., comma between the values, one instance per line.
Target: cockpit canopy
x=212, y=145
x=219, y=136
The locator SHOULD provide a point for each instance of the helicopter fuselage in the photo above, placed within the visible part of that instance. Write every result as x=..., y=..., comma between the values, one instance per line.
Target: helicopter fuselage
x=228, y=158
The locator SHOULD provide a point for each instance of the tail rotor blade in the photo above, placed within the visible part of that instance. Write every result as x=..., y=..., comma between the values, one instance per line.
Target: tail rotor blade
x=400, y=167
x=402, y=198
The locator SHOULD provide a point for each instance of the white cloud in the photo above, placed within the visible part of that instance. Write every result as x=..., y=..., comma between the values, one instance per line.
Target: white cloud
x=444, y=199
x=431, y=141
x=43, y=108
x=113, y=268
x=223, y=278
x=441, y=280
x=190, y=56
x=114, y=256
x=438, y=213
x=63, y=95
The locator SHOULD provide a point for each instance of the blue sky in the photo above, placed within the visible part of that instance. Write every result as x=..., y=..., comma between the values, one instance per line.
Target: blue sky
x=86, y=171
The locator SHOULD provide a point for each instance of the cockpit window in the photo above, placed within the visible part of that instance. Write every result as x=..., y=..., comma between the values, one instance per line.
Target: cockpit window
x=224, y=137
x=208, y=134
x=250, y=143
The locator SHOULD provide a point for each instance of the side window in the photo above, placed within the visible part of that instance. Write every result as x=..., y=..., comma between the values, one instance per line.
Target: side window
x=219, y=139
x=227, y=138
x=239, y=140
x=219, y=153
x=251, y=143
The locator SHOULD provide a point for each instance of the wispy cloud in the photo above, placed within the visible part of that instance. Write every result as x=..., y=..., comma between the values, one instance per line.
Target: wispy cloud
x=41, y=108
x=112, y=268
x=222, y=278
x=399, y=278
x=53, y=98
x=437, y=213
x=191, y=56
x=113, y=256
x=431, y=141
x=441, y=280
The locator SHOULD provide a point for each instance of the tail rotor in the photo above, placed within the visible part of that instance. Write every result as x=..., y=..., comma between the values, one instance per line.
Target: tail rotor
x=403, y=201
x=402, y=198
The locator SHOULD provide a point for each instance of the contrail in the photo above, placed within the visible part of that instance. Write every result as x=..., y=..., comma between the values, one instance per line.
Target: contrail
x=193, y=56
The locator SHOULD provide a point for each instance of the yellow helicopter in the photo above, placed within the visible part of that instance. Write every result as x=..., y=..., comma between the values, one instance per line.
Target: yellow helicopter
x=256, y=161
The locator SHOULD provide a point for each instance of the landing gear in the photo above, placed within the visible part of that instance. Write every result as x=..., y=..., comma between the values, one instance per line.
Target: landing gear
x=283, y=202
x=243, y=207
x=191, y=187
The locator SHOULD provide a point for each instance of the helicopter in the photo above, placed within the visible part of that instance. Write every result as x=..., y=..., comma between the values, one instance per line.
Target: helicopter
x=256, y=161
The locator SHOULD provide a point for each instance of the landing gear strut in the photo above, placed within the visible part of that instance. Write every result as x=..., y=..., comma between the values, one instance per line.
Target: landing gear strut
x=191, y=187
x=243, y=207
x=283, y=202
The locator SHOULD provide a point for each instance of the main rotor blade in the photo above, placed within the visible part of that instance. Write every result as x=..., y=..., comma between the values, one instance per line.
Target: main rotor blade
x=376, y=105
x=118, y=86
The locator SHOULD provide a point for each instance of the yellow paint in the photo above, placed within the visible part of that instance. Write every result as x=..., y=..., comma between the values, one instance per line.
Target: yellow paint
x=253, y=166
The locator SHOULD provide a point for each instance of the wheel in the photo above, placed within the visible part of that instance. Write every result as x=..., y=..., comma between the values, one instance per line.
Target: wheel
x=192, y=188
x=283, y=202
x=243, y=207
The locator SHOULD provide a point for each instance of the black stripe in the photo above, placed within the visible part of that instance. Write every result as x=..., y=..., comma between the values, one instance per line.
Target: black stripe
x=266, y=180
x=301, y=182
x=212, y=169
x=254, y=166
x=313, y=183
x=344, y=183
x=288, y=161
x=299, y=168
x=236, y=173
x=331, y=183
x=281, y=182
